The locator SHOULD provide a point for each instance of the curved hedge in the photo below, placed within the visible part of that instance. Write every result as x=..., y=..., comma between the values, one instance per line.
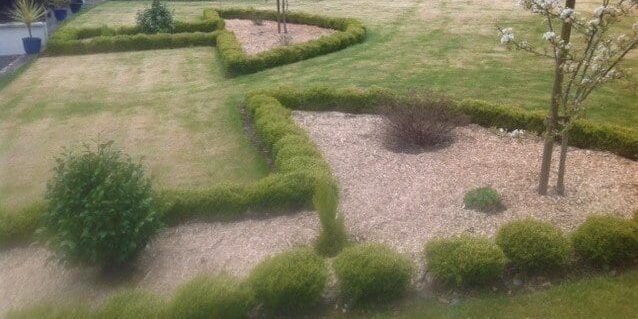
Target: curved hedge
x=236, y=61
x=605, y=240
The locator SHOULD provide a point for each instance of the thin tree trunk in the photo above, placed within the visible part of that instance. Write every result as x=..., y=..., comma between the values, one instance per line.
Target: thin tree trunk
x=560, y=182
x=285, y=10
x=548, y=148
x=278, y=16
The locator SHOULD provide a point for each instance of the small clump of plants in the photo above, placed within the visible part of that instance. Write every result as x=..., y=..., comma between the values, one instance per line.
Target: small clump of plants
x=156, y=19
x=101, y=208
x=424, y=120
x=483, y=199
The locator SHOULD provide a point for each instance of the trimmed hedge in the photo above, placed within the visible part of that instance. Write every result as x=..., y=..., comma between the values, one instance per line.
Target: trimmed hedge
x=532, y=245
x=464, y=260
x=604, y=240
x=72, y=41
x=584, y=134
x=17, y=227
x=372, y=272
x=132, y=304
x=206, y=297
x=236, y=61
x=289, y=282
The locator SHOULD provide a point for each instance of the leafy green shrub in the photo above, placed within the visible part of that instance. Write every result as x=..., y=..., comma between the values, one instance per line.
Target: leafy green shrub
x=290, y=281
x=206, y=297
x=604, y=240
x=333, y=234
x=51, y=311
x=533, y=245
x=372, y=272
x=464, y=260
x=101, y=208
x=423, y=120
x=132, y=304
x=484, y=199
x=156, y=19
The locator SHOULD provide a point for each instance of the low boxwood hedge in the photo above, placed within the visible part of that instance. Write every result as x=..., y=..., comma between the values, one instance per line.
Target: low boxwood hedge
x=289, y=282
x=211, y=297
x=605, y=240
x=464, y=260
x=533, y=245
x=72, y=41
x=236, y=61
x=372, y=272
x=132, y=304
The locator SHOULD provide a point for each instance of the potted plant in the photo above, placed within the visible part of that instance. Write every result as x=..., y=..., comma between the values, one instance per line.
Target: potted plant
x=28, y=12
x=59, y=9
x=76, y=5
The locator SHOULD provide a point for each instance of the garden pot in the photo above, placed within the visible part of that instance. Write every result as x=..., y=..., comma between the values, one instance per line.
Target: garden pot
x=60, y=14
x=32, y=45
x=75, y=7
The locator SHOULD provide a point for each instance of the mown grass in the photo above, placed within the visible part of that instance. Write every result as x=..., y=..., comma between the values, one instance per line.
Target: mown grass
x=448, y=46
x=167, y=107
x=597, y=297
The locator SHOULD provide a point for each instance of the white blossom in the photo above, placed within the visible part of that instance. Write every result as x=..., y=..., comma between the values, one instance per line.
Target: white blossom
x=567, y=15
x=507, y=36
x=635, y=27
x=549, y=36
x=599, y=11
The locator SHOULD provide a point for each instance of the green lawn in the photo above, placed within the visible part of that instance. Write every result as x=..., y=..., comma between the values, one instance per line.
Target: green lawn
x=596, y=298
x=449, y=46
x=167, y=107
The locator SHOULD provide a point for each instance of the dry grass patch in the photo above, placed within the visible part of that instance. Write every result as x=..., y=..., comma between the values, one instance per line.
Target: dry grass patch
x=167, y=107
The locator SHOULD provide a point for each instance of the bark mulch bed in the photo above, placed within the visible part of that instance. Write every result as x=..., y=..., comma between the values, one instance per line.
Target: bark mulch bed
x=406, y=199
x=259, y=38
x=30, y=274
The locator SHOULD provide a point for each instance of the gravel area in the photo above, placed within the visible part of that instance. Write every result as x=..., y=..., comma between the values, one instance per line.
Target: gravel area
x=29, y=274
x=258, y=38
x=406, y=199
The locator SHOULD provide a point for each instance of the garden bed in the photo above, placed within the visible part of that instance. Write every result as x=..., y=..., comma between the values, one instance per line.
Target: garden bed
x=173, y=257
x=259, y=38
x=406, y=199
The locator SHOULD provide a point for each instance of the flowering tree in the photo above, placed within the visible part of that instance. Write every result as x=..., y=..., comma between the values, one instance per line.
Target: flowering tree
x=580, y=66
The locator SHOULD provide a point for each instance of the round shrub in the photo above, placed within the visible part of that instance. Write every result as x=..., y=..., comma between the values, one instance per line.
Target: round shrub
x=533, y=245
x=206, y=297
x=101, y=209
x=372, y=272
x=290, y=281
x=132, y=304
x=604, y=240
x=158, y=18
x=484, y=199
x=464, y=260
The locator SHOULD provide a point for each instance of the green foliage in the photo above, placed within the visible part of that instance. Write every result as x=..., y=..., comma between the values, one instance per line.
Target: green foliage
x=236, y=61
x=604, y=240
x=50, y=311
x=71, y=41
x=156, y=19
x=533, y=245
x=212, y=297
x=333, y=234
x=132, y=304
x=100, y=208
x=291, y=281
x=372, y=272
x=19, y=226
x=464, y=260
x=484, y=199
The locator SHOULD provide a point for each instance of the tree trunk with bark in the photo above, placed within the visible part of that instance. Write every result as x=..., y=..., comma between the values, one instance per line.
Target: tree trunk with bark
x=278, y=16
x=552, y=119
